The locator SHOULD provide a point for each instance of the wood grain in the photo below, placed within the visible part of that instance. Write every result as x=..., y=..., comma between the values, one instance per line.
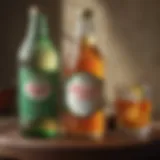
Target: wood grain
x=15, y=146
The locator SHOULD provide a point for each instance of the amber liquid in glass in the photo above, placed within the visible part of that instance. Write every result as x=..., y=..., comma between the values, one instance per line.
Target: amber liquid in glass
x=134, y=109
x=133, y=115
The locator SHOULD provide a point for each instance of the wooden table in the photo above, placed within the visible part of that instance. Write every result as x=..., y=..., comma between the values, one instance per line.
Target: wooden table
x=14, y=146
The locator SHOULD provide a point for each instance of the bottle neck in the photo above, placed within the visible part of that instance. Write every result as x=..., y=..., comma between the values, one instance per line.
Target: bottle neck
x=43, y=29
x=32, y=25
x=37, y=27
x=87, y=32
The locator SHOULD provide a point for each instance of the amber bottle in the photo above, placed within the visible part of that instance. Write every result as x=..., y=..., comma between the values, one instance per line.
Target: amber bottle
x=83, y=92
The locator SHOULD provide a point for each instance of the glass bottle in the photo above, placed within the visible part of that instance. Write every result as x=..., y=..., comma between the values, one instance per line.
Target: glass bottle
x=83, y=92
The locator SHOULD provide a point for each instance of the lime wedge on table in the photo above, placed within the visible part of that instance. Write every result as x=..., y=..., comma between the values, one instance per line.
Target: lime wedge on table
x=49, y=124
x=45, y=129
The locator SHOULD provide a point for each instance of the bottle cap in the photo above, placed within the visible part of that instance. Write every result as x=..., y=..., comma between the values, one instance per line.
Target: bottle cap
x=87, y=13
x=33, y=9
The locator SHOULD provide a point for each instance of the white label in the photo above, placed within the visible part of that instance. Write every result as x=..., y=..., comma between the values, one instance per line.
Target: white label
x=38, y=90
x=83, y=94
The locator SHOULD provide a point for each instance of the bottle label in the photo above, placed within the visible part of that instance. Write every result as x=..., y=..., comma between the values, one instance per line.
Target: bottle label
x=83, y=94
x=37, y=89
x=37, y=96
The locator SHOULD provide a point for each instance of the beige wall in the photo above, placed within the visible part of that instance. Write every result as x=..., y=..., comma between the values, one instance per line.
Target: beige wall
x=128, y=33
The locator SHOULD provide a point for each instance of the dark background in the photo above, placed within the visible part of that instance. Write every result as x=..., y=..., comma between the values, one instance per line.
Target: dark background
x=13, y=15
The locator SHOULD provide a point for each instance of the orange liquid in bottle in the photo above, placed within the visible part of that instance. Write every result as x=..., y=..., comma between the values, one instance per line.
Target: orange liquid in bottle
x=91, y=62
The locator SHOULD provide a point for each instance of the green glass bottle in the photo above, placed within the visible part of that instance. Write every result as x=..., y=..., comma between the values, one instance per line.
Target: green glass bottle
x=38, y=76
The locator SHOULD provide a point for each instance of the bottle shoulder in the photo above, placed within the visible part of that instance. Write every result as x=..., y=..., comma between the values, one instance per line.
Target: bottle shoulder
x=41, y=54
x=90, y=60
x=25, y=51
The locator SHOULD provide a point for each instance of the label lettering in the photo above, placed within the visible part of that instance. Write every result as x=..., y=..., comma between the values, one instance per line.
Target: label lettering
x=83, y=94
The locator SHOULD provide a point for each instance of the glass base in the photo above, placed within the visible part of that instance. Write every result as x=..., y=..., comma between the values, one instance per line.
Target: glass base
x=141, y=133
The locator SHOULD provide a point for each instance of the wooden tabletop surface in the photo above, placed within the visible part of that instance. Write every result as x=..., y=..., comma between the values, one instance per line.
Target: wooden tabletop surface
x=11, y=143
x=9, y=136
